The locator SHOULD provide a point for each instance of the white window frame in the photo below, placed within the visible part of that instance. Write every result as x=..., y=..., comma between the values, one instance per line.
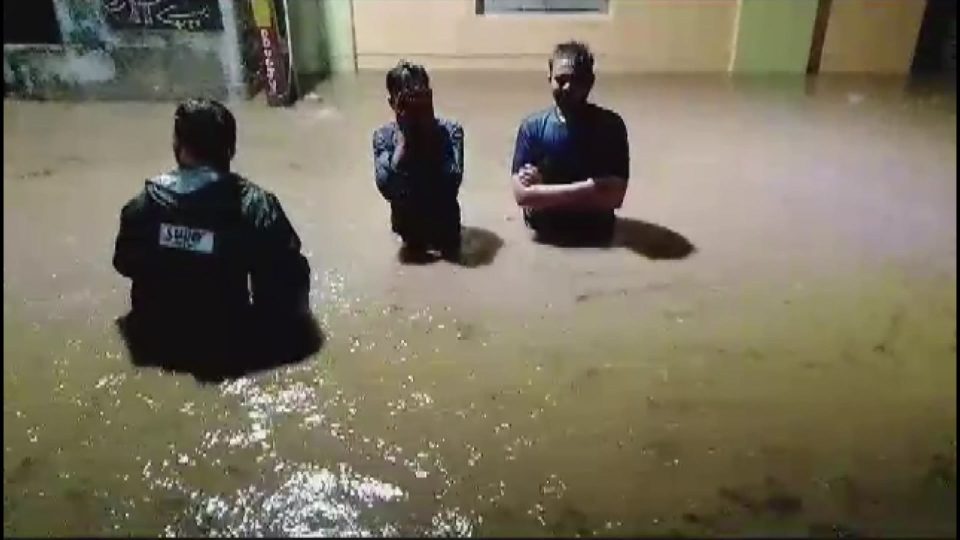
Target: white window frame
x=483, y=10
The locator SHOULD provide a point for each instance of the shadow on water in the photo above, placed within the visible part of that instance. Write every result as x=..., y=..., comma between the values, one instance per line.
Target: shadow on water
x=246, y=350
x=649, y=240
x=478, y=247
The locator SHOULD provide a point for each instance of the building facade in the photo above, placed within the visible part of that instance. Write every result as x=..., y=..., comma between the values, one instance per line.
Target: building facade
x=127, y=49
x=165, y=49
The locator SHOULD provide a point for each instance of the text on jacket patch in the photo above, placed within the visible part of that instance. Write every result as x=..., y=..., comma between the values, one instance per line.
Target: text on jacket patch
x=185, y=238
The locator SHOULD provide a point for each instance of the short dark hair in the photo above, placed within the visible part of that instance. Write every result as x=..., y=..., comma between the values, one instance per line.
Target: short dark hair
x=207, y=129
x=406, y=76
x=577, y=52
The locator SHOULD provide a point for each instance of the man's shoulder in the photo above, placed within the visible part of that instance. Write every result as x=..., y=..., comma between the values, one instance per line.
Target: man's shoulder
x=136, y=205
x=450, y=126
x=257, y=204
x=252, y=193
x=385, y=131
x=606, y=117
x=141, y=203
x=538, y=119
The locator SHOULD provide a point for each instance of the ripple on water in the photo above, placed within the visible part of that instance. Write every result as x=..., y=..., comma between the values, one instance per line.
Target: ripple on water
x=310, y=501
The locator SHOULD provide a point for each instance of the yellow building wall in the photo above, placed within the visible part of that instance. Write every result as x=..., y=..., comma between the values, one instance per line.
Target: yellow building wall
x=635, y=36
x=872, y=36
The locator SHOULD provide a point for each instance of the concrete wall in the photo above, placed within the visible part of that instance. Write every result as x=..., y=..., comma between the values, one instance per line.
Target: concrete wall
x=637, y=35
x=872, y=36
x=758, y=36
x=96, y=61
x=752, y=36
x=774, y=36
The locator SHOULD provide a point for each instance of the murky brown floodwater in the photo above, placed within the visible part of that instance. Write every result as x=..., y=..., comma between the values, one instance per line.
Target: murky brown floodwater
x=795, y=375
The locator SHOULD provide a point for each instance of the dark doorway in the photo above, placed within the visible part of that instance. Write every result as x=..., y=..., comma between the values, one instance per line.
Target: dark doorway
x=32, y=22
x=936, y=52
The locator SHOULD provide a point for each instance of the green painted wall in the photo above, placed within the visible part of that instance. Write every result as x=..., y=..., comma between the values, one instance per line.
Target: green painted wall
x=323, y=36
x=775, y=35
x=339, y=18
x=309, y=42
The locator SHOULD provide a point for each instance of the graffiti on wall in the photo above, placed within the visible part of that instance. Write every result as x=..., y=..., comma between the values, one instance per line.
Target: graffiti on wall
x=195, y=15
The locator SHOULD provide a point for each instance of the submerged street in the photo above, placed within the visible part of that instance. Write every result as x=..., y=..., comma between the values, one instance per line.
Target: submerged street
x=770, y=349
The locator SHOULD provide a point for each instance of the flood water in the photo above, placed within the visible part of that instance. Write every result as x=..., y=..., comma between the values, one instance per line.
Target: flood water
x=792, y=372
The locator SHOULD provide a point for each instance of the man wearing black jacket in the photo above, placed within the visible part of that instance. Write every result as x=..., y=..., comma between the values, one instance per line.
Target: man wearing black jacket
x=195, y=236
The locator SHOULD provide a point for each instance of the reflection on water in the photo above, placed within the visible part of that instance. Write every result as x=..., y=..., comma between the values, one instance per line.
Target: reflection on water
x=309, y=502
x=297, y=498
x=324, y=449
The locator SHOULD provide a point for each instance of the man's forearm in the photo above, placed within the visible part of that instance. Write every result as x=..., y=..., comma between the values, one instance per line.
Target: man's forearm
x=398, y=158
x=390, y=180
x=609, y=192
x=541, y=196
x=590, y=194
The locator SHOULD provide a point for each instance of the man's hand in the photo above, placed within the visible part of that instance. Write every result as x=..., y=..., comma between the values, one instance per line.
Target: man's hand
x=399, y=147
x=420, y=143
x=529, y=175
x=525, y=183
x=589, y=194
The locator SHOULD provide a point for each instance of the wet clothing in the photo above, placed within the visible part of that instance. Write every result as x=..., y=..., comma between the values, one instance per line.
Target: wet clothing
x=422, y=188
x=191, y=241
x=592, y=145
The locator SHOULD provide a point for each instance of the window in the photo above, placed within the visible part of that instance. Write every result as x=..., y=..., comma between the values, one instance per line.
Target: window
x=542, y=6
x=30, y=22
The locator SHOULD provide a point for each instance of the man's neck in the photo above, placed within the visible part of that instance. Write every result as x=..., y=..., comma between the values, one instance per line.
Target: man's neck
x=571, y=115
x=201, y=166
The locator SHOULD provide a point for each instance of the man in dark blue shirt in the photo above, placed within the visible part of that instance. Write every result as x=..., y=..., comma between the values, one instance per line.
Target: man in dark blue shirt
x=572, y=161
x=418, y=161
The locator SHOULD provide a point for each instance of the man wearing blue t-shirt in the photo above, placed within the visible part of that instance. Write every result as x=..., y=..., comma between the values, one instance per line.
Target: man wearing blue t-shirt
x=572, y=161
x=418, y=165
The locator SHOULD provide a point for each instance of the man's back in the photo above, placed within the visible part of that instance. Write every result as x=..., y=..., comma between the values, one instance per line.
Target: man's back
x=193, y=237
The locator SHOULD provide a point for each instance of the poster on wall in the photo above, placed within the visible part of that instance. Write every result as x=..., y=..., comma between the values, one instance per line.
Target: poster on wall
x=273, y=56
x=191, y=15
